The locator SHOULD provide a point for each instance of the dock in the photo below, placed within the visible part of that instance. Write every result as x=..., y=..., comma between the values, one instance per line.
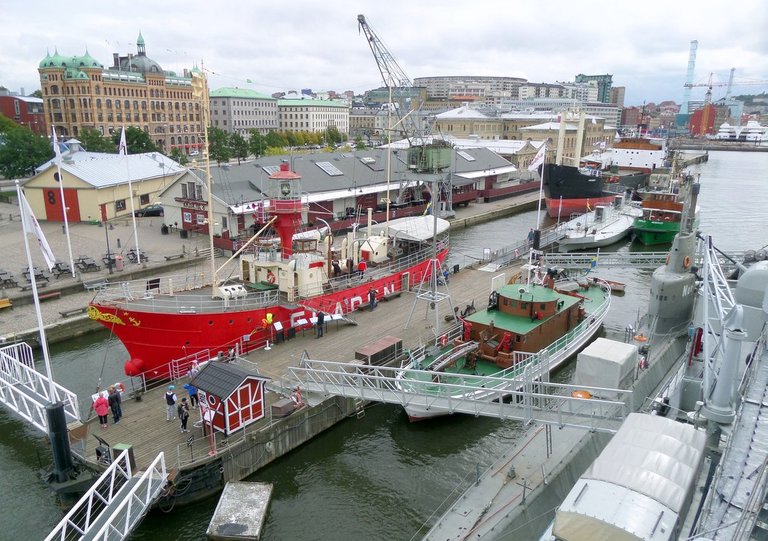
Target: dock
x=241, y=512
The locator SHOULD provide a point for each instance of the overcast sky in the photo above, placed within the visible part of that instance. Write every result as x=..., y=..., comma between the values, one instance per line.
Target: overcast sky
x=297, y=44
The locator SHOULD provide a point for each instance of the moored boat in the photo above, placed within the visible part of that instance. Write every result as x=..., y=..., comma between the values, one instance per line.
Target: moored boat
x=573, y=190
x=601, y=227
x=523, y=326
x=274, y=292
x=662, y=214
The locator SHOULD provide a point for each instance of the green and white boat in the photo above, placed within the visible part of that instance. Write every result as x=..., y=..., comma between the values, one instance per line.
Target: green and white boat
x=523, y=326
x=662, y=213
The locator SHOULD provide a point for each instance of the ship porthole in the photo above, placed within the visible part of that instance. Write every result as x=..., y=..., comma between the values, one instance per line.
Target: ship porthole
x=210, y=322
x=231, y=321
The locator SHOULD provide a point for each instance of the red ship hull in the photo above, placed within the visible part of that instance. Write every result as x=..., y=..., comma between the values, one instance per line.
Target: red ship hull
x=155, y=339
x=563, y=208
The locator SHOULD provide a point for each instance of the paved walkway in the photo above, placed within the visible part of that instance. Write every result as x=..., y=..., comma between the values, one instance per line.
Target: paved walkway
x=91, y=240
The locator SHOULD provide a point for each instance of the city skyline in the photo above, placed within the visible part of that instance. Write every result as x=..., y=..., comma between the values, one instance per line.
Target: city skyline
x=273, y=48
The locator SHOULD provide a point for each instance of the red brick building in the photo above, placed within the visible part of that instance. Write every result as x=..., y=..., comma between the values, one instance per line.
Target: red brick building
x=25, y=111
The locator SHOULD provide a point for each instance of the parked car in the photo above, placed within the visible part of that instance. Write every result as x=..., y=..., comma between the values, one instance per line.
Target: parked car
x=194, y=153
x=151, y=210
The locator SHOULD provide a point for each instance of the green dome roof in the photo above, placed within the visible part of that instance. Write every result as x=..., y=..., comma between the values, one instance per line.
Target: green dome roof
x=53, y=61
x=87, y=61
x=45, y=60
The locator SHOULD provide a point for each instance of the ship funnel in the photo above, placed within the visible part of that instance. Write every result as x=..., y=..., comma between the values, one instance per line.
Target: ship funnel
x=690, y=212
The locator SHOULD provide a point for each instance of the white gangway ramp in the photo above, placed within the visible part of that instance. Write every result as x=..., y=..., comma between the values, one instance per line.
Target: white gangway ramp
x=115, y=504
x=26, y=391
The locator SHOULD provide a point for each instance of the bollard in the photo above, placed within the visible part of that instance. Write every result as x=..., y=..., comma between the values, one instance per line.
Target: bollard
x=118, y=243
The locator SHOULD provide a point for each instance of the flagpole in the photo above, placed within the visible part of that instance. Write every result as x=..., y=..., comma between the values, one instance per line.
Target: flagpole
x=57, y=151
x=123, y=149
x=33, y=280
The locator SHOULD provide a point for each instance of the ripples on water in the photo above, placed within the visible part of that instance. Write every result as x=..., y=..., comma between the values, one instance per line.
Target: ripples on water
x=378, y=477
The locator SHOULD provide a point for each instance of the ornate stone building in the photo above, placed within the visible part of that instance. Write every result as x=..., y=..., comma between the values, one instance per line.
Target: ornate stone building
x=78, y=92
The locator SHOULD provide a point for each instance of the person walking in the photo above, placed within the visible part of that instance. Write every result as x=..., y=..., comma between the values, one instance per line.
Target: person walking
x=361, y=268
x=101, y=406
x=192, y=390
x=115, y=404
x=183, y=411
x=170, y=404
x=372, y=298
x=320, y=323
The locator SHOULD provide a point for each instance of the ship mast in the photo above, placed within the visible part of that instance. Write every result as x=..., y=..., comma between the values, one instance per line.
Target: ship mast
x=200, y=93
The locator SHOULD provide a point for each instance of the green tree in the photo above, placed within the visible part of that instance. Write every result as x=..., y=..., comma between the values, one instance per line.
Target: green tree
x=275, y=140
x=93, y=141
x=332, y=135
x=6, y=124
x=137, y=140
x=359, y=144
x=178, y=156
x=22, y=151
x=291, y=138
x=218, y=145
x=239, y=146
x=37, y=94
x=257, y=144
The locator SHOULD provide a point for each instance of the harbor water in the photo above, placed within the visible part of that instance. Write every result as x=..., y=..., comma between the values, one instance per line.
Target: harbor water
x=377, y=477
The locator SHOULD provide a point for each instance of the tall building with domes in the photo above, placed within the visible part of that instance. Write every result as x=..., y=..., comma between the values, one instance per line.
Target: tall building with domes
x=78, y=92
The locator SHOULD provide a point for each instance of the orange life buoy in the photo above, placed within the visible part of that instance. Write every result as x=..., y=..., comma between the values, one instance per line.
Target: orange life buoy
x=641, y=338
x=270, y=277
x=581, y=394
x=444, y=340
x=686, y=262
x=120, y=387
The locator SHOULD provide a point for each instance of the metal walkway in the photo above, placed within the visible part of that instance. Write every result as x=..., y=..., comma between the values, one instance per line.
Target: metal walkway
x=525, y=398
x=115, y=504
x=26, y=391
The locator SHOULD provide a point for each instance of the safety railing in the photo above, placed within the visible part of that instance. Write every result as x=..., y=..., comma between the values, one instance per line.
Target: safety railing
x=27, y=392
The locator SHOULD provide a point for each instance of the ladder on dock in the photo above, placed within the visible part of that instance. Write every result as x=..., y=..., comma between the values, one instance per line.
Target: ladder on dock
x=115, y=504
x=525, y=398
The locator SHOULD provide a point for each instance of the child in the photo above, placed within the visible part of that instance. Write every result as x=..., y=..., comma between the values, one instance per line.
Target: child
x=183, y=411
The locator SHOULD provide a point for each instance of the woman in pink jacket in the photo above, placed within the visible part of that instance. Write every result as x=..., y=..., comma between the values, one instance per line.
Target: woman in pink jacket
x=101, y=405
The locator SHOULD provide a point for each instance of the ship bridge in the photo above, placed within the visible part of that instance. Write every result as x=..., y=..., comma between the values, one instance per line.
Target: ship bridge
x=527, y=398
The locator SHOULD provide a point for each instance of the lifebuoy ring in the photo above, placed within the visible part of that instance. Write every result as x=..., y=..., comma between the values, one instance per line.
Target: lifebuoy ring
x=641, y=338
x=444, y=340
x=686, y=262
x=270, y=277
x=581, y=394
x=666, y=261
x=120, y=387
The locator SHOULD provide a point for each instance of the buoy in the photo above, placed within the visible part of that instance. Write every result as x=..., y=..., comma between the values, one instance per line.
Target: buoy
x=270, y=277
x=686, y=262
x=641, y=338
x=444, y=340
x=581, y=394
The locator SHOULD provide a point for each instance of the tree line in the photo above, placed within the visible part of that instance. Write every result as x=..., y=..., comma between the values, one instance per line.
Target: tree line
x=21, y=150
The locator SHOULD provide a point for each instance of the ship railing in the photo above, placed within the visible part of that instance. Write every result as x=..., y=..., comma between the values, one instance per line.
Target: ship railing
x=373, y=272
x=27, y=391
x=164, y=285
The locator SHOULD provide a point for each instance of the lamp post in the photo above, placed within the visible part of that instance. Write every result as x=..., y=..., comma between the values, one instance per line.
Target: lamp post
x=109, y=254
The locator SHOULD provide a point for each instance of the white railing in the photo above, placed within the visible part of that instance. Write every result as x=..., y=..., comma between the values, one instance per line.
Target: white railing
x=27, y=391
x=105, y=496
x=477, y=395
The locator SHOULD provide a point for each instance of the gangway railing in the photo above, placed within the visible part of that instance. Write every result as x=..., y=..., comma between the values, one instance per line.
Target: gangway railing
x=524, y=398
x=115, y=504
x=27, y=392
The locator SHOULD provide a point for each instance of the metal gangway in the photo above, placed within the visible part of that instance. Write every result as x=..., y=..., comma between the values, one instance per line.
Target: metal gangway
x=117, y=501
x=527, y=397
x=115, y=504
x=26, y=391
x=639, y=260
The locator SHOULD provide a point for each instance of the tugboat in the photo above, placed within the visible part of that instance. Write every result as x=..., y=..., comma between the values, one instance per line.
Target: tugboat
x=524, y=325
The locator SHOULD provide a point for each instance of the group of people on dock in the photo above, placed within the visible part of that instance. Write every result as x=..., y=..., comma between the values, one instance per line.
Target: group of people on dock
x=104, y=404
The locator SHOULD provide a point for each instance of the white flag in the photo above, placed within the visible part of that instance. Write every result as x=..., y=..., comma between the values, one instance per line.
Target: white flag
x=539, y=158
x=31, y=226
x=123, y=148
x=56, y=148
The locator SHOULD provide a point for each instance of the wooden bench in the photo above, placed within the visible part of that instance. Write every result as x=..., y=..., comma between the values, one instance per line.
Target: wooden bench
x=51, y=295
x=95, y=284
x=6, y=303
x=174, y=256
x=28, y=287
x=73, y=311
